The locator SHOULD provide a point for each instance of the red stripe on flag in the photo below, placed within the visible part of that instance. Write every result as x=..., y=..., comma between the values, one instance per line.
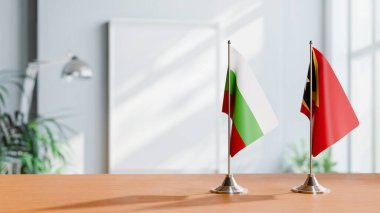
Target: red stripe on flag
x=237, y=142
x=225, y=103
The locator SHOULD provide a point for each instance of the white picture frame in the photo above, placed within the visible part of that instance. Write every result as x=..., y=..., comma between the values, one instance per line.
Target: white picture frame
x=164, y=96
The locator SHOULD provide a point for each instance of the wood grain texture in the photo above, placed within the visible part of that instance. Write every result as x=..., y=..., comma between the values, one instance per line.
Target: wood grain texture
x=185, y=193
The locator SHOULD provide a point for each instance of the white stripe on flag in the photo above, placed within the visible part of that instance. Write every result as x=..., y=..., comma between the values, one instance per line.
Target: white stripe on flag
x=252, y=93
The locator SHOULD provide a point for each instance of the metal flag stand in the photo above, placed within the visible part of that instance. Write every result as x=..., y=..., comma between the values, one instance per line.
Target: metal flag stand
x=229, y=185
x=311, y=185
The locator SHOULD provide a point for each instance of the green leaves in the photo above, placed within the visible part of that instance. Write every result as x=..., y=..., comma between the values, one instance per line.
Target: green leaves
x=38, y=144
x=27, y=162
x=35, y=145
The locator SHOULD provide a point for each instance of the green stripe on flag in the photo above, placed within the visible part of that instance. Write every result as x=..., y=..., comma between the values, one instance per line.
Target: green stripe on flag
x=244, y=120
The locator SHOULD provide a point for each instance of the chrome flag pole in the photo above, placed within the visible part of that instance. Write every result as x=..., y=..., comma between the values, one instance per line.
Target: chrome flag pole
x=229, y=185
x=311, y=109
x=311, y=185
x=229, y=109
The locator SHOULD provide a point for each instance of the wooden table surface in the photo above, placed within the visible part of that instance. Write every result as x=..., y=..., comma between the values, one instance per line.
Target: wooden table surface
x=185, y=193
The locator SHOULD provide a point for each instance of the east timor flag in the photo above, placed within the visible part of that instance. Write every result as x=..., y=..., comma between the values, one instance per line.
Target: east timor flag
x=333, y=116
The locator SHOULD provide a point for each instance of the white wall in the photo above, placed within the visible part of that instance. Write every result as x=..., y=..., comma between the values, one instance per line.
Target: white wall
x=272, y=34
x=13, y=41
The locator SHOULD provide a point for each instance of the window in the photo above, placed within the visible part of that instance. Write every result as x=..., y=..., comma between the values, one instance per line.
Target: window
x=353, y=38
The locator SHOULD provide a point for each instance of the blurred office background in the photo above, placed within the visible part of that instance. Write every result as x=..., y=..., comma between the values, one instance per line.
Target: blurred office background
x=153, y=104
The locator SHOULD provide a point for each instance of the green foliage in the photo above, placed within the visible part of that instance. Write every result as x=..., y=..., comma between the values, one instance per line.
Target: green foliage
x=299, y=160
x=29, y=147
x=35, y=147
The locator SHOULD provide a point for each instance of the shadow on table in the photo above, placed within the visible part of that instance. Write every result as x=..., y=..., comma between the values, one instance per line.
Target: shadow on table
x=125, y=200
x=174, y=201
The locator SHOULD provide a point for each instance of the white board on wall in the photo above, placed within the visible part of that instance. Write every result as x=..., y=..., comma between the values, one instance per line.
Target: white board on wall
x=163, y=97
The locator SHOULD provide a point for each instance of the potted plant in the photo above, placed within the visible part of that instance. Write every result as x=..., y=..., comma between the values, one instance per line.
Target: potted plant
x=32, y=146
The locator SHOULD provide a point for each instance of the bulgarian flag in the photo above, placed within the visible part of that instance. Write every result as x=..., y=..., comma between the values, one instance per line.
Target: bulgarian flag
x=251, y=112
x=333, y=116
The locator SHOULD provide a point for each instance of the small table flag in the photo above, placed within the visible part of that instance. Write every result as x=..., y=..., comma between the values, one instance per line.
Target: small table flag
x=333, y=116
x=251, y=112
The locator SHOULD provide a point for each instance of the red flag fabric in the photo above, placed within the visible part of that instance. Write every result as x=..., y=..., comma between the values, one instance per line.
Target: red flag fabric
x=333, y=116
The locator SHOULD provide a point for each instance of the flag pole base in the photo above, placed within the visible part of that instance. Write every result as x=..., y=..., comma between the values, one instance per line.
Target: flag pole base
x=311, y=186
x=229, y=186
